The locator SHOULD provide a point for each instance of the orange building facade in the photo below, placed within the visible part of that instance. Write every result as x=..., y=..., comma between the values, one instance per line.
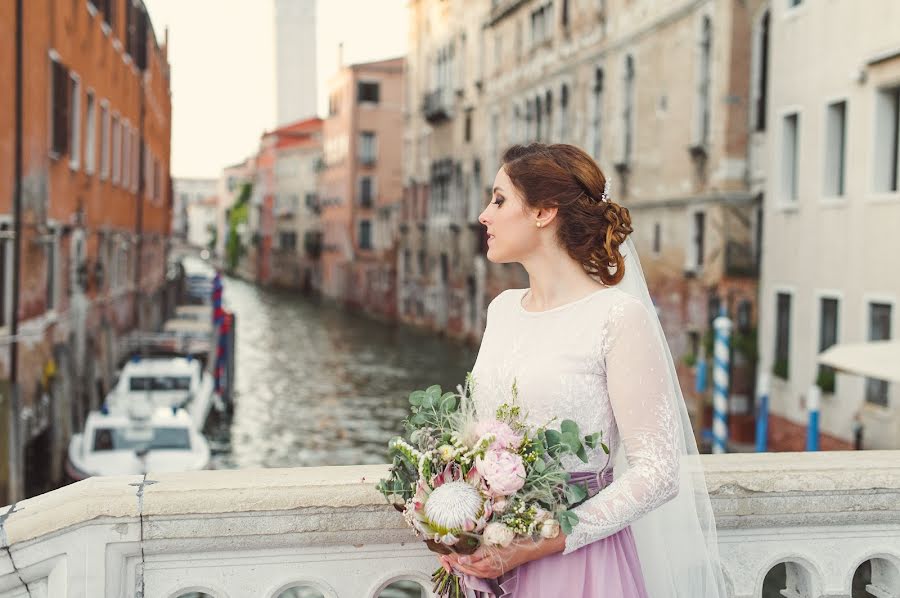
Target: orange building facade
x=95, y=212
x=361, y=185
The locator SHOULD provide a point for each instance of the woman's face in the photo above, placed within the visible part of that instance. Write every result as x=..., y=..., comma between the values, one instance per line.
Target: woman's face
x=512, y=233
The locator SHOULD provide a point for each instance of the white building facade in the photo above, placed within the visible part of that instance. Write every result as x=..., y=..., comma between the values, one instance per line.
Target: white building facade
x=832, y=212
x=186, y=192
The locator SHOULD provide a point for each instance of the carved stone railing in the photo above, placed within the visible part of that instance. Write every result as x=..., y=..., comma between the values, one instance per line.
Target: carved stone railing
x=815, y=520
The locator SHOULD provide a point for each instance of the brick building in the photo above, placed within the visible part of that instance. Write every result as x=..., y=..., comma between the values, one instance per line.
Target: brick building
x=95, y=210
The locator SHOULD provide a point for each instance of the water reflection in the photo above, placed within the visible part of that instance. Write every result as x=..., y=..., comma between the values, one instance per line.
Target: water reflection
x=319, y=386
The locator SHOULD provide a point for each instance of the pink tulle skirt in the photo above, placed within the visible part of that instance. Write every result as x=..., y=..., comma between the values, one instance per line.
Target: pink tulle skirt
x=607, y=568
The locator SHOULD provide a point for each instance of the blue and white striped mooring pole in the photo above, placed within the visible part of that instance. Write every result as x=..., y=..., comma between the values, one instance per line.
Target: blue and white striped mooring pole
x=813, y=399
x=722, y=326
x=763, y=384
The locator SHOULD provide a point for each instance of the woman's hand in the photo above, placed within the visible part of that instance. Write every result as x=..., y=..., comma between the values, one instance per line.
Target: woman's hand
x=492, y=562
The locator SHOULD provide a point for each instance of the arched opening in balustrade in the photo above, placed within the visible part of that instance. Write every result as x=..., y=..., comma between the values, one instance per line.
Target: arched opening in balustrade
x=874, y=578
x=301, y=591
x=403, y=588
x=788, y=578
x=195, y=595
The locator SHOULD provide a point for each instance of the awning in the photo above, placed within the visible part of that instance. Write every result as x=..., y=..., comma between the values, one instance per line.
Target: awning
x=874, y=359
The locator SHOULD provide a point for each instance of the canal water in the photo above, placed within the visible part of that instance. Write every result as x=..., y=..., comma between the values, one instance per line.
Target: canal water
x=316, y=385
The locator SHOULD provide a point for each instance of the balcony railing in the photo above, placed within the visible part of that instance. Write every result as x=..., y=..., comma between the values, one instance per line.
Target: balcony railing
x=437, y=106
x=819, y=519
x=740, y=260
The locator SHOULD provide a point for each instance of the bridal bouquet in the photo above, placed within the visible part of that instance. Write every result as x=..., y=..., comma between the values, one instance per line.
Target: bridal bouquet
x=463, y=481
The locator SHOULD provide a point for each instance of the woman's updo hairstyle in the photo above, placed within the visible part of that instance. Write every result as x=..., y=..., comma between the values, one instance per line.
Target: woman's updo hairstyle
x=591, y=227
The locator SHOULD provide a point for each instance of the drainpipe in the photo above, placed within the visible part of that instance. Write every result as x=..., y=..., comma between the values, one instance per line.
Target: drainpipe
x=139, y=223
x=15, y=474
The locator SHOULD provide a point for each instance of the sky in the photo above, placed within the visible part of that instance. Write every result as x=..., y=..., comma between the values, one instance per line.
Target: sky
x=222, y=55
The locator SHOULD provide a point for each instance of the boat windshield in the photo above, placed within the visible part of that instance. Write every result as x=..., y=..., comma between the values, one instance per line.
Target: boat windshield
x=159, y=383
x=164, y=438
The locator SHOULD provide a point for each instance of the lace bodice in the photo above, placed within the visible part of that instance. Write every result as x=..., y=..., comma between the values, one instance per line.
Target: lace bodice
x=596, y=361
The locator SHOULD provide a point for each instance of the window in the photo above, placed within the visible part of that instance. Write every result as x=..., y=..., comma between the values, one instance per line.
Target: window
x=565, y=14
x=879, y=330
x=828, y=334
x=90, y=142
x=75, y=121
x=835, y=148
x=104, y=140
x=421, y=260
x=109, y=12
x=595, y=114
x=367, y=147
x=541, y=24
x=367, y=92
x=52, y=253
x=135, y=162
x=126, y=155
x=762, y=79
x=6, y=251
x=887, y=140
x=789, y=156
x=782, y=335
x=287, y=240
x=365, y=234
x=538, y=117
x=59, y=110
x=657, y=241
x=628, y=110
x=698, y=241
x=366, y=194
x=564, y=113
x=116, y=150
x=467, y=130
x=441, y=176
x=704, y=86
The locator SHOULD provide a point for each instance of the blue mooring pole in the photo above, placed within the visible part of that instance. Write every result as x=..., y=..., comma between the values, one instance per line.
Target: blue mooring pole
x=813, y=400
x=763, y=385
x=721, y=361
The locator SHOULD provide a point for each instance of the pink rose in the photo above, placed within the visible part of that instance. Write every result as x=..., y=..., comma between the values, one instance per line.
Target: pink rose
x=504, y=437
x=502, y=470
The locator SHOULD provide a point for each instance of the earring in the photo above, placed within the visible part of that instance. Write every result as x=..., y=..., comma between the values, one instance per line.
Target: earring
x=538, y=223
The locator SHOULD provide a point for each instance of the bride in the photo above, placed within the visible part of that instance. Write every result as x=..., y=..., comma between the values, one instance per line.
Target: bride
x=584, y=343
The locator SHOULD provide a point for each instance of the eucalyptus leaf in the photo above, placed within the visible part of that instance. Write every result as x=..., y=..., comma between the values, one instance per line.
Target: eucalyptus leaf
x=575, y=493
x=591, y=440
x=582, y=454
x=540, y=466
x=569, y=426
x=416, y=397
x=605, y=448
x=553, y=438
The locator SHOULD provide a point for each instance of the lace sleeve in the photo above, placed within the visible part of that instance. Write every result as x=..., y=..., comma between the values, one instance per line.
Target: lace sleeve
x=638, y=393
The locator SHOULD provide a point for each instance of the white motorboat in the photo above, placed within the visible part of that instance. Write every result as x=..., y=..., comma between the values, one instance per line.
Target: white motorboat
x=145, y=439
x=165, y=381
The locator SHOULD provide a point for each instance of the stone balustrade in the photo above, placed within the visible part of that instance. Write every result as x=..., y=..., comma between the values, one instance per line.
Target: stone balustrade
x=809, y=524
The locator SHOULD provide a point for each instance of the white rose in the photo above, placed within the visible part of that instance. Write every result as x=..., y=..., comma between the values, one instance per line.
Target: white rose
x=497, y=534
x=500, y=505
x=550, y=529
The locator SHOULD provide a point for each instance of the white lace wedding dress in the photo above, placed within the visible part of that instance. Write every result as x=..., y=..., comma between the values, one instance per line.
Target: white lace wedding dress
x=595, y=361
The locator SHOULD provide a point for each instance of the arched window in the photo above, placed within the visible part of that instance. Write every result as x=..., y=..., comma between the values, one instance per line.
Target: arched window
x=704, y=83
x=564, y=113
x=628, y=109
x=596, y=109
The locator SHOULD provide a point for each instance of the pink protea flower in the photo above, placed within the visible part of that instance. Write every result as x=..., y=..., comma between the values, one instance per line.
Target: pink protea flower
x=504, y=437
x=503, y=471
